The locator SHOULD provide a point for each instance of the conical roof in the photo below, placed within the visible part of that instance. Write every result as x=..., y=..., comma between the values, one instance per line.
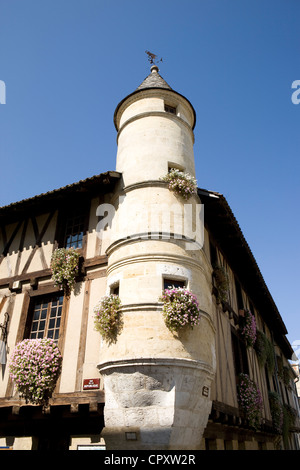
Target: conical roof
x=154, y=80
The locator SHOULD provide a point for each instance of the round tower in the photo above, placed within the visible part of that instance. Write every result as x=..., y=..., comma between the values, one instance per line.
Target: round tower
x=157, y=382
x=155, y=131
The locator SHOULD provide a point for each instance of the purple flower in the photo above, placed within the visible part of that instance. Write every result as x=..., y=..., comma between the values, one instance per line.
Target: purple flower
x=250, y=400
x=180, y=308
x=249, y=329
x=107, y=317
x=35, y=367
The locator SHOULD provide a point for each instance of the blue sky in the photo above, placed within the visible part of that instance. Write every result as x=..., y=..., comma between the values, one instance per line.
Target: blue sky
x=66, y=65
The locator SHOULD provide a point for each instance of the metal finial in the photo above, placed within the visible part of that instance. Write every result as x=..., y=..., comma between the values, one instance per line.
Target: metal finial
x=153, y=58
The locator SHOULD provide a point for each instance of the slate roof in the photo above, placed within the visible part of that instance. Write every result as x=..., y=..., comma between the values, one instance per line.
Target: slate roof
x=154, y=80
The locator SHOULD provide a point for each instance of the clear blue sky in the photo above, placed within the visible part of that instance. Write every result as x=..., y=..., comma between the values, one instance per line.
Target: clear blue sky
x=66, y=65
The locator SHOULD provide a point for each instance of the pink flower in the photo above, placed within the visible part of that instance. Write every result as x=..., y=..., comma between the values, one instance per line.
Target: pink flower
x=35, y=366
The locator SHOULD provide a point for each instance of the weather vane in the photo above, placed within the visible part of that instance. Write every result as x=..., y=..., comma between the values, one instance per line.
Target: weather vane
x=153, y=58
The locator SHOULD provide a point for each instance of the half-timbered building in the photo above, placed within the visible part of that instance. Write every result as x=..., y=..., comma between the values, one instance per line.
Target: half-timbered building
x=149, y=388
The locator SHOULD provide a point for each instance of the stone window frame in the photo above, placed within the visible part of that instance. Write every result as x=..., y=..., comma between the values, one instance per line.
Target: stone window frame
x=170, y=109
x=169, y=281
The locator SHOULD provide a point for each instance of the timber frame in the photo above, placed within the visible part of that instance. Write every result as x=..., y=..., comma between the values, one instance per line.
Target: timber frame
x=81, y=411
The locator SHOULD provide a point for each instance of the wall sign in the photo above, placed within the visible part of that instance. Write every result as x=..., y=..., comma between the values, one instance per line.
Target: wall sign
x=91, y=384
x=205, y=391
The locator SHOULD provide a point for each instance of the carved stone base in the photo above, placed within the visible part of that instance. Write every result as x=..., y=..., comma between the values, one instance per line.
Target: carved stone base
x=156, y=404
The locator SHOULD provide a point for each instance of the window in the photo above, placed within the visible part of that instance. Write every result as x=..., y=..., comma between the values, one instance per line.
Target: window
x=173, y=283
x=213, y=254
x=239, y=296
x=239, y=354
x=74, y=231
x=72, y=224
x=114, y=289
x=175, y=166
x=267, y=378
x=45, y=317
x=170, y=109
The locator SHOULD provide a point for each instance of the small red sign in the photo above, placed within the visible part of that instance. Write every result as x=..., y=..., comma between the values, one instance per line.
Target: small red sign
x=91, y=384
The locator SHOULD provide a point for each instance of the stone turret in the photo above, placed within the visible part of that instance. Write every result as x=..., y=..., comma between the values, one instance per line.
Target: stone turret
x=157, y=382
x=155, y=130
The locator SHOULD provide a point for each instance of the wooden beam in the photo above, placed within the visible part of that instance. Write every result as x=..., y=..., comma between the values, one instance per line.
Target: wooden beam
x=21, y=246
x=83, y=335
x=39, y=236
x=43, y=273
x=71, y=398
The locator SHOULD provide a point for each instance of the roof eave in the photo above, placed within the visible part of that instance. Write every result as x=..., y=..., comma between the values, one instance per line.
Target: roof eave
x=102, y=182
x=236, y=249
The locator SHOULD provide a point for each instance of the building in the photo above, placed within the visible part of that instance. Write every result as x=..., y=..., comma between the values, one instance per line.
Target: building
x=147, y=387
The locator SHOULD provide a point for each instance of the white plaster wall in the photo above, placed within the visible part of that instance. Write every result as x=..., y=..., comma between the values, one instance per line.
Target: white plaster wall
x=149, y=143
x=93, y=338
x=72, y=336
x=149, y=137
x=13, y=326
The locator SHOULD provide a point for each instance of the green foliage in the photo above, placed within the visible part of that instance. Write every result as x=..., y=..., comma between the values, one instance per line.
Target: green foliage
x=107, y=318
x=265, y=351
x=286, y=375
x=222, y=283
x=180, y=308
x=64, y=266
x=181, y=183
x=34, y=368
x=276, y=411
x=248, y=328
x=250, y=400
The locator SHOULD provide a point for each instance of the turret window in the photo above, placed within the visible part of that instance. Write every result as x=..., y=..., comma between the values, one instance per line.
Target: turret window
x=170, y=109
x=168, y=283
x=114, y=289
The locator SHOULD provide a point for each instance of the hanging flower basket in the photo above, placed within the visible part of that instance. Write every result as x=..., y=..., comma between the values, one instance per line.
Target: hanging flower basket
x=65, y=267
x=250, y=400
x=286, y=374
x=222, y=283
x=276, y=409
x=248, y=328
x=34, y=368
x=289, y=418
x=107, y=318
x=183, y=184
x=279, y=362
x=264, y=351
x=180, y=308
